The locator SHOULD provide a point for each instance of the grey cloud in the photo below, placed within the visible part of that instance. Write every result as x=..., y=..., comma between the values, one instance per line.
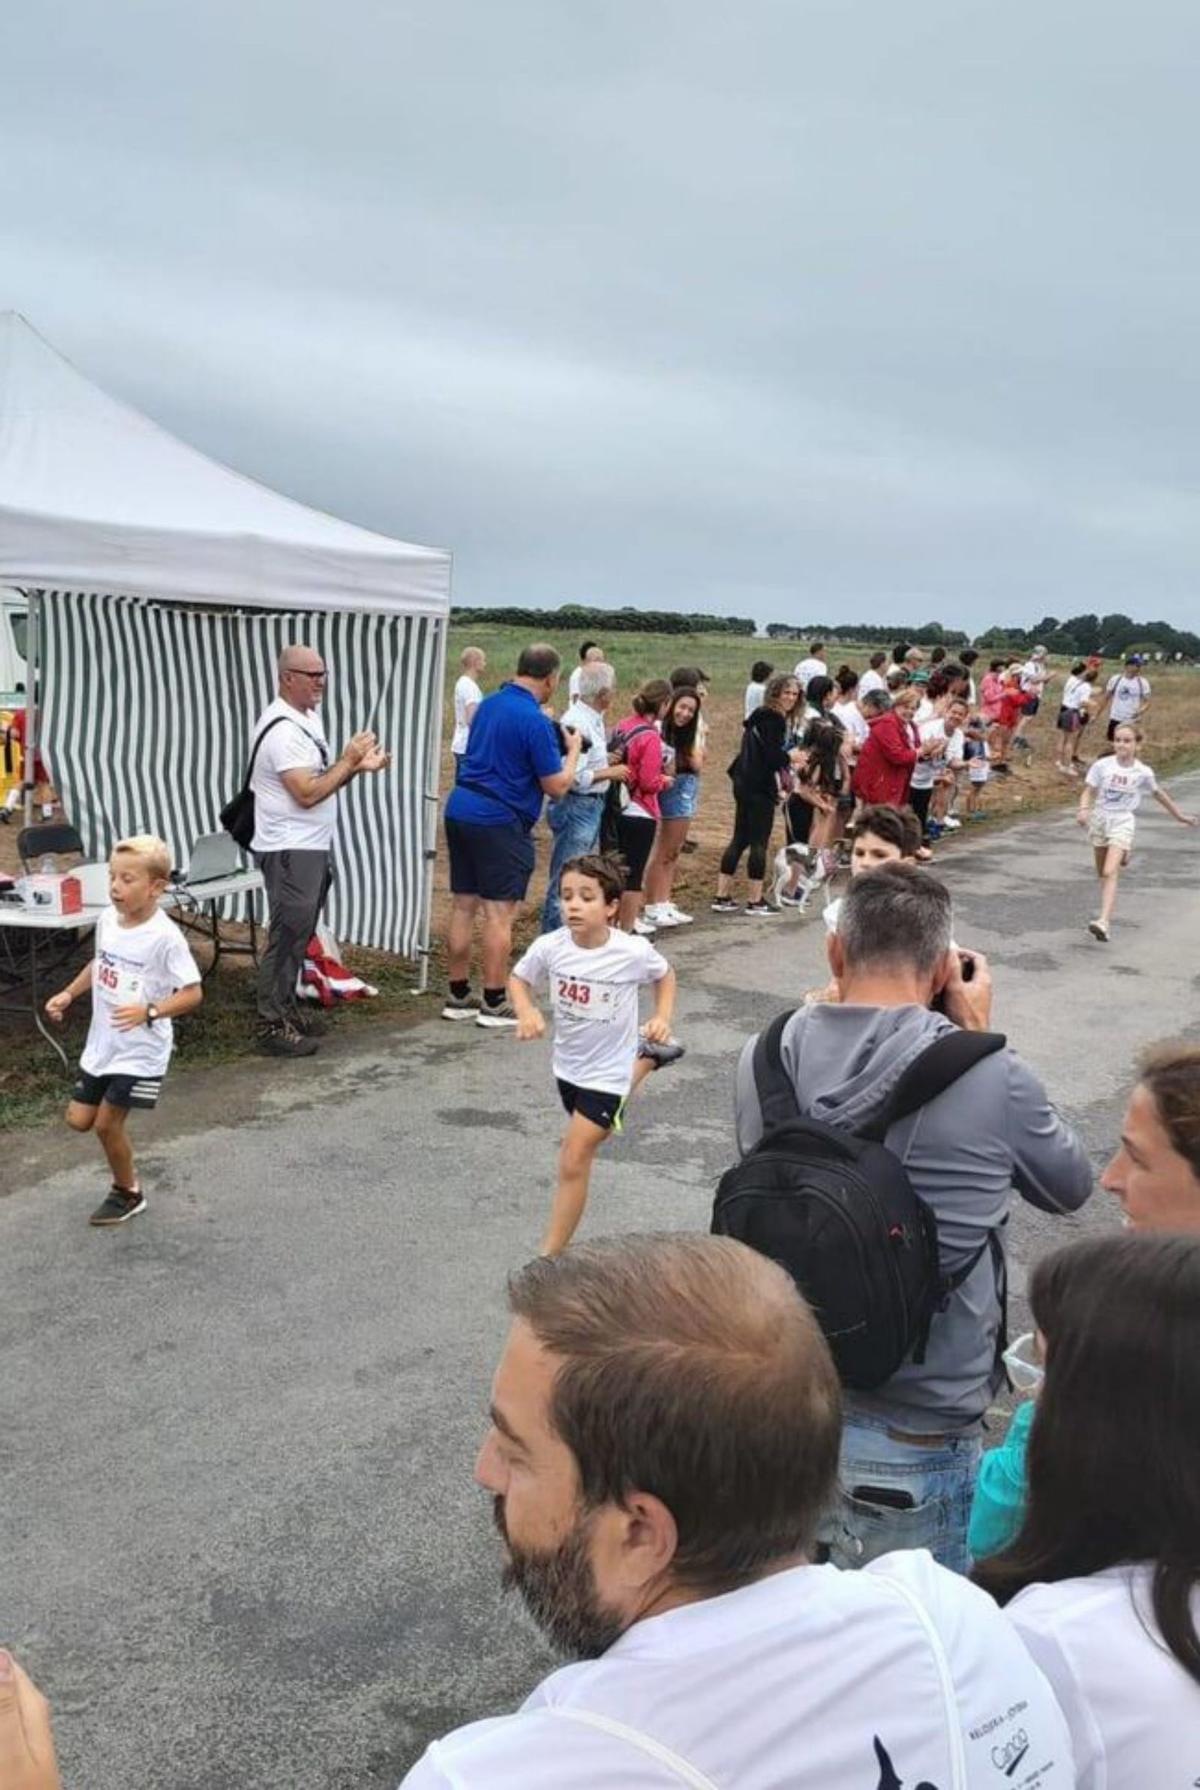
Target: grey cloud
x=801, y=309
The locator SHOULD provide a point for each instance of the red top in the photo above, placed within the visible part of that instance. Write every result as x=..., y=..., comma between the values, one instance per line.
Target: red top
x=885, y=762
x=644, y=757
x=1013, y=704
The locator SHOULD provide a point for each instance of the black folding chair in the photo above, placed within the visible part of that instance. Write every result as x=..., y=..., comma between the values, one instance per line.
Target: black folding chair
x=53, y=839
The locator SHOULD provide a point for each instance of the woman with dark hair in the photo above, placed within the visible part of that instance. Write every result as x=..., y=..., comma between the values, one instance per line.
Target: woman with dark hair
x=680, y=729
x=764, y=756
x=1103, y=1580
x=1156, y=1171
x=819, y=694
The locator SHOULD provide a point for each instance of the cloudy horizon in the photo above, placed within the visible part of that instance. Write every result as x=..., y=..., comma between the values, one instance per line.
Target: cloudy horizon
x=810, y=313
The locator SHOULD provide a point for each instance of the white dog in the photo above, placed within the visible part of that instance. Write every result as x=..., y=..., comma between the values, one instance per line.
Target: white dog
x=800, y=870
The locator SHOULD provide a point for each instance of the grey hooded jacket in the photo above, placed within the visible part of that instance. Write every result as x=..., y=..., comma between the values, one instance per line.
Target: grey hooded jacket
x=992, y=1131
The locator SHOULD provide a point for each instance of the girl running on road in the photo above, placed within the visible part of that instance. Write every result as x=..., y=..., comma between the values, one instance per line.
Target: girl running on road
x=594, y=972
x=1114, y=787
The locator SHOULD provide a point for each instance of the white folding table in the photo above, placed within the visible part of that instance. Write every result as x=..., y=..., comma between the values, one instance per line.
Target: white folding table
x=196, y=902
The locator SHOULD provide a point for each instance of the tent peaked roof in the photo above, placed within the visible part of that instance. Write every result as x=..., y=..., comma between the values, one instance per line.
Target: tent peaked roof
x=95, y=496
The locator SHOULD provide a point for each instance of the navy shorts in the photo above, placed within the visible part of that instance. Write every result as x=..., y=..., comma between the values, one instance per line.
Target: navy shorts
x=492, y=861
x=117, y=1090
x=602, y=1108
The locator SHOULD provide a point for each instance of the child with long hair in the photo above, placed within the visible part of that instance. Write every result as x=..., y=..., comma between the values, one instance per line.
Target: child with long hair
x=594, y=971
x=1111, y=795
x=680, y=729
x=1103, y=1578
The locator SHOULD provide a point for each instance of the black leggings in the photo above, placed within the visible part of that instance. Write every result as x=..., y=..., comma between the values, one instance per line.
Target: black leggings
x=918, y=801
x=753, y=819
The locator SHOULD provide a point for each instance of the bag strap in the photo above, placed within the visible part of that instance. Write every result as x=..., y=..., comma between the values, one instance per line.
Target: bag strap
x=481, y=789
x=776, y=1095
x=258, y=742
x=937, y=1068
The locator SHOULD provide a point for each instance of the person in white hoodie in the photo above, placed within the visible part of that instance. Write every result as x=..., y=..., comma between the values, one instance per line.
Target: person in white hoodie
x=1103, y=1579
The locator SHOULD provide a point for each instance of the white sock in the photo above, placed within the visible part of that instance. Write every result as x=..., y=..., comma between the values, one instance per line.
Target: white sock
x=47, y=810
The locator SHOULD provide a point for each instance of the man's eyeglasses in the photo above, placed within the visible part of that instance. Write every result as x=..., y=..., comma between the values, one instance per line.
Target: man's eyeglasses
x=298, y=672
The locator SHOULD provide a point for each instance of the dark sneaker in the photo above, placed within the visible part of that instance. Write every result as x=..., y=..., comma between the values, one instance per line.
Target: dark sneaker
x=724, y=904
x=461, y=1007
x=502, y=1015
x=660, y=1054
x=759, y=910
x=286, y=1041
x=310, y=1022
x=118, y=1206
x=786, y=900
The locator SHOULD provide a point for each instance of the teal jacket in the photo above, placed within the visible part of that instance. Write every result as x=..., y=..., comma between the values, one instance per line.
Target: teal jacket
x=999, y=1507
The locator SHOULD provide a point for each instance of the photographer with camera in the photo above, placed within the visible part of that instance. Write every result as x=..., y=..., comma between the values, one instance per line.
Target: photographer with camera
x=574, y=818
x=968, y=1126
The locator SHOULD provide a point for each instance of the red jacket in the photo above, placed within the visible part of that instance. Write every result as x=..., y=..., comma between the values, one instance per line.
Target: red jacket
x=885, y=762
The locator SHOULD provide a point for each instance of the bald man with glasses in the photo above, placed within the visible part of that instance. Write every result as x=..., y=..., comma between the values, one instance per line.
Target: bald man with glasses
x=295, y=812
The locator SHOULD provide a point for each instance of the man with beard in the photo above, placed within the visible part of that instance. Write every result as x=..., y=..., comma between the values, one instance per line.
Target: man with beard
x=664, y=1438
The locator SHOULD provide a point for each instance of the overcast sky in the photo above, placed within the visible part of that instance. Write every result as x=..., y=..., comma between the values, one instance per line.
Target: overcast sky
x=804, y=309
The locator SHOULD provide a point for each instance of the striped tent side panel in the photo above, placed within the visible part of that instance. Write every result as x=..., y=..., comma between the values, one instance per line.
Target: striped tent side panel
x=148, y=716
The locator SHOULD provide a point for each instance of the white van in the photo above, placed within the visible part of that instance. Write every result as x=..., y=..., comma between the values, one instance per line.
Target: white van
x=14, y=625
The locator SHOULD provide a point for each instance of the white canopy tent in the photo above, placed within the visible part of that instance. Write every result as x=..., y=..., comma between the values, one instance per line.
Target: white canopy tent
x=142, y=559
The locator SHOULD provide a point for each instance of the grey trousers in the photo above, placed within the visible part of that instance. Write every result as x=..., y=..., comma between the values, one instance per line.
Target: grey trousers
x=297, y=883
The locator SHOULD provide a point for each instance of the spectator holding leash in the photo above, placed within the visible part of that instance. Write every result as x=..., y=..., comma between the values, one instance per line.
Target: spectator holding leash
x=966, y=1136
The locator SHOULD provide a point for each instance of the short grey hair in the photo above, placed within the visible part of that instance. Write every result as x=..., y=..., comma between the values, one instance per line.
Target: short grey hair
x=595, y=676
x=897, y=915
x=877, y=701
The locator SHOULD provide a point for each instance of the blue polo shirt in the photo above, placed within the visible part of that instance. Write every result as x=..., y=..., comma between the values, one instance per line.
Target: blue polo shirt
x=510, y=748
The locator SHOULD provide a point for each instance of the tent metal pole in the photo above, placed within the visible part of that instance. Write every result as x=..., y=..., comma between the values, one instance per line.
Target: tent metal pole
x=33, y=718
x=433, y=766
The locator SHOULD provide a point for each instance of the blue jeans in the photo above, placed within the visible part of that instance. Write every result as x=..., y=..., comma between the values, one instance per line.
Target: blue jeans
x=574, y=821
x=938, y=1475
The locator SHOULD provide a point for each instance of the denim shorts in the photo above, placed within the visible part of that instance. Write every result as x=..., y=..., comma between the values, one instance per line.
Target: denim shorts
x=681, y=800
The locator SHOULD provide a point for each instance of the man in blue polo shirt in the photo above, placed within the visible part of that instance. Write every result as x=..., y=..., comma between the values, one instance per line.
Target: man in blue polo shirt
x=512, y=760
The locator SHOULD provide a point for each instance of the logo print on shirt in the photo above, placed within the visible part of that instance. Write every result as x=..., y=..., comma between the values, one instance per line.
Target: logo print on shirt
x=889, y=1778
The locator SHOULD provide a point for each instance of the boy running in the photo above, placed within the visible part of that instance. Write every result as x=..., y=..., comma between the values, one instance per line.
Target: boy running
x=142, y=976
x=594, y=972
x=1116, y=786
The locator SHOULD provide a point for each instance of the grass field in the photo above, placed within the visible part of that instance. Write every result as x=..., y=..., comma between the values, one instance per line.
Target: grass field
x=32, y=1086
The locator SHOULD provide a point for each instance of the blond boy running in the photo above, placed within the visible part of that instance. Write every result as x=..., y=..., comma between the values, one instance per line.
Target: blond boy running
x=142, y=976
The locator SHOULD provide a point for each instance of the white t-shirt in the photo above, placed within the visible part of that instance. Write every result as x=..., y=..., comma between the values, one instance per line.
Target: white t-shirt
x=754, y=699
x=813, y=1679
x=810, y=668
x=926, y=769
x=1077, y=693
x=466, y=691
x=1120, y=788
x=852, y=719
x=594, y=996
x=1133, y=1712
x=1129, y=696
x=134, y=966
x=297, y=744
x=871, y=680
x=573, y=684
x=1034, y=673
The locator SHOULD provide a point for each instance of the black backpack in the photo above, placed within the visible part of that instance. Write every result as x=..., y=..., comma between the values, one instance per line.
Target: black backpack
x=839, y=1212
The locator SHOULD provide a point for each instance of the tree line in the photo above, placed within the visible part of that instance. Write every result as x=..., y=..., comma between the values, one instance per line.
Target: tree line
x=1110, y=635
x=576, y=618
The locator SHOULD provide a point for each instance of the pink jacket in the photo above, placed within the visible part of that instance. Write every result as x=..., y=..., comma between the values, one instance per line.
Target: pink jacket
x=644, y=757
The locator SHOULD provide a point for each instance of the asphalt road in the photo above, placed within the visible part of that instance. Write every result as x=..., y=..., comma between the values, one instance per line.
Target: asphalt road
x=239, y=1540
